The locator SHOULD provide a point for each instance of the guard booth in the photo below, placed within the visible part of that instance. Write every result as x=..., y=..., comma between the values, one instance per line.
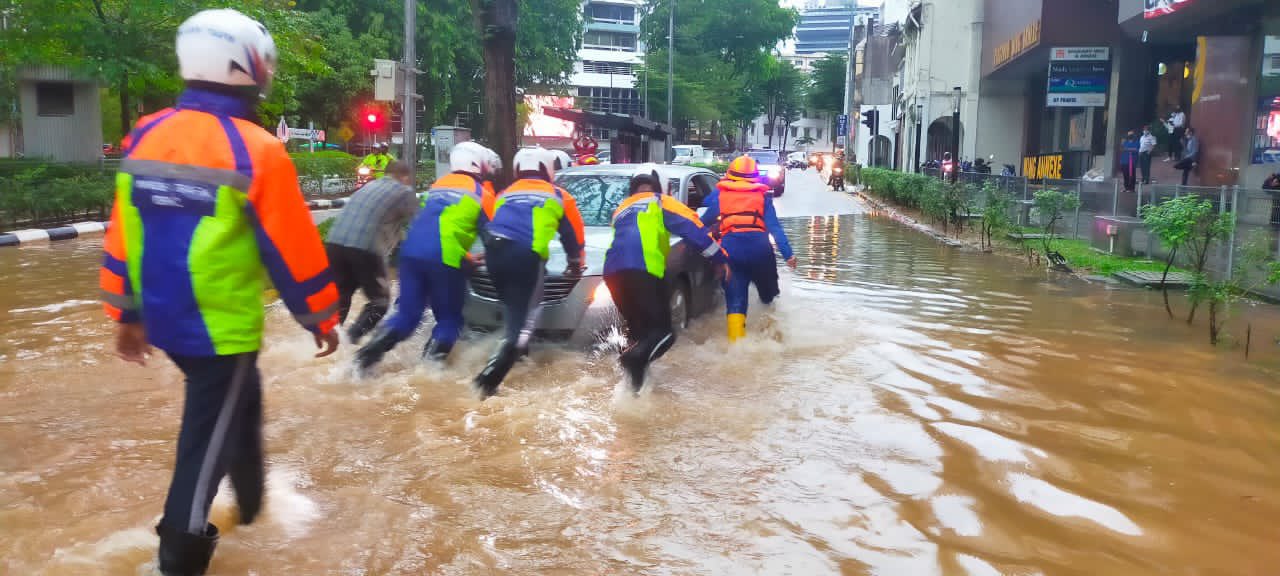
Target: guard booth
x=638, y=140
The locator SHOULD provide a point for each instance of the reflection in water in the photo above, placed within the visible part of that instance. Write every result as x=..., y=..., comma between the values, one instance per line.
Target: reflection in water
x=921, y=410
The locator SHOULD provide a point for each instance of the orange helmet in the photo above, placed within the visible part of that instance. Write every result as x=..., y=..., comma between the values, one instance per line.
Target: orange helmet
x=588, y=160
x=743, y=169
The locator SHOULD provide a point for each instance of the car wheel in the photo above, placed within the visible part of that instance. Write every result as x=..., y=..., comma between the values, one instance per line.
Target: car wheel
x=679, y=306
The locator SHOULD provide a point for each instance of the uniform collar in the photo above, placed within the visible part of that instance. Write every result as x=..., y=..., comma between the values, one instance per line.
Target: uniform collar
x=216, y=103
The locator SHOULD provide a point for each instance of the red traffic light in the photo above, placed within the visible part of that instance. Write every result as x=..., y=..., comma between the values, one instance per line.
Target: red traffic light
x=372, y=118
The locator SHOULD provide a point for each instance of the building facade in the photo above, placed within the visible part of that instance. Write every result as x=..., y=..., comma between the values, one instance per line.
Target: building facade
x=827, y=27
x=606, y=75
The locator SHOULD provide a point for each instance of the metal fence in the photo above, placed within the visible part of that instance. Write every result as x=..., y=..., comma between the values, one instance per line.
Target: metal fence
x=1109, y=218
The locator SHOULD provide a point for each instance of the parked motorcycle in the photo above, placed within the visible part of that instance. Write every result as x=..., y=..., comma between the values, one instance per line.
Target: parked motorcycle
x=1009, y=170
x=981, y=166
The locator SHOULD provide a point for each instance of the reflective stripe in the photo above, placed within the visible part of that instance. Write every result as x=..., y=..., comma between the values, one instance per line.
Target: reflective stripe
x=213, y=452
x=119, y=300
x=316, y=317
x=159, y=169
x=639, y=205
x=453, y=193
x=711, y=250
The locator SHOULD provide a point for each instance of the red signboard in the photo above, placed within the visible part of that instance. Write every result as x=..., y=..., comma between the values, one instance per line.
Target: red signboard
x=1158, y=8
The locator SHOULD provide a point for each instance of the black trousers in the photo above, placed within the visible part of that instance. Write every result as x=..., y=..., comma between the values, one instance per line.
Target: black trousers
x=642, y=300
x=1144, y=163
x=1175, y=142
x=518, y=273
x=221, y=435
x=1128, y=164
x=353, y=269
x=1186, y=165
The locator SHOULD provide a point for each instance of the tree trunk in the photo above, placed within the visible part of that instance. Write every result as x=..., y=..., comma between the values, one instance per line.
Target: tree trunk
x=1213, y=322
x=126, y=122
x=497, y=20
x=1164, y=287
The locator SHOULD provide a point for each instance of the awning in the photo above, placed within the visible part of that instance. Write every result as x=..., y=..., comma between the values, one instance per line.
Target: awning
x=611, y=121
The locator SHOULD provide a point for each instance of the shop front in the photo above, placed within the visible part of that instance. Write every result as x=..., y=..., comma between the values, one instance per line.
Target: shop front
x=1047, y=68
x=1213, y=66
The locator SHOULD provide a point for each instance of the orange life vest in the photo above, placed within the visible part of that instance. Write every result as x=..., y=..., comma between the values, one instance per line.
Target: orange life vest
x=741, y=206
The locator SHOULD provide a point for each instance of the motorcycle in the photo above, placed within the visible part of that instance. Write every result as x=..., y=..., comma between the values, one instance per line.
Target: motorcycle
x=981, y=166
x=363, y=176
x=837, y=178
x=1009, y=170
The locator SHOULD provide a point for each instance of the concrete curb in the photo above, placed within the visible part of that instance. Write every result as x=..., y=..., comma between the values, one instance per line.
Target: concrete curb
x=894, y=214
x=79, y=229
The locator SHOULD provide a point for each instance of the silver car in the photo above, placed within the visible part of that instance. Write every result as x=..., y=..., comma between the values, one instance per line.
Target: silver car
x=580, y=310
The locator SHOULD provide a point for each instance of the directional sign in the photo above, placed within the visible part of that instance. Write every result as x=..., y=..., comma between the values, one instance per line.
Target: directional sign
x=1079, y=77
x=305, y=134
x=842, y=124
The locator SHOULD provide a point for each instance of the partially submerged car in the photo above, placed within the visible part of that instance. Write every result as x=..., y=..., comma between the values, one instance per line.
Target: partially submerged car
x=580, y=310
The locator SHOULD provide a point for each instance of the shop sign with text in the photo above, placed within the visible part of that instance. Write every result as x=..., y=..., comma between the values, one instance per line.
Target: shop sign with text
x=1025, y=40
x=1078, y=77
x=1047, y=166
x=1158, y=8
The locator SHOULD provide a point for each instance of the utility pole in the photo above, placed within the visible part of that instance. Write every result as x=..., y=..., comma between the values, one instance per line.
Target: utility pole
x=409, y=113
x=671, y=79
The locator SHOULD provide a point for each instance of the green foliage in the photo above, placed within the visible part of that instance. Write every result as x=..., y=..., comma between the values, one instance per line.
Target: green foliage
x=327, y=163
x=827, y=90
x=1051, y=205
x=38, y=194
x=996, y=208
x=717, y=167
x=1190, y=225
x=325, y=227
x=1080, y=254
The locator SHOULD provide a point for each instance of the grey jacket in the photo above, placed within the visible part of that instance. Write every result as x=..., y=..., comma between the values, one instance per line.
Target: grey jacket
x=1192, y=149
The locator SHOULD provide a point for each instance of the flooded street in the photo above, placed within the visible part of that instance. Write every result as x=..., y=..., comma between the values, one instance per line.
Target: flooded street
x=907, y=409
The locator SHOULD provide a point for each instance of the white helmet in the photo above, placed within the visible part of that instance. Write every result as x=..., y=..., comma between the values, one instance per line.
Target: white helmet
x=226, y=47
x=536, y=159
x=562, y=158
x=473, y=158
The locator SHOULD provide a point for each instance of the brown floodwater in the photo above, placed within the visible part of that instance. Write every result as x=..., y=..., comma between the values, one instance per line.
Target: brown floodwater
x=906, y=409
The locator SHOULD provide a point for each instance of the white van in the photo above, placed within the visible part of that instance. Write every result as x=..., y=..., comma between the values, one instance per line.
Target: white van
x=691, y=154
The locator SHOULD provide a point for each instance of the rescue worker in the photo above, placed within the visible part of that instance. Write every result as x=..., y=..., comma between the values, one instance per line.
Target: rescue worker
x=205, y=200
x=434, y=256
x=741, y=209
x=526, y=215
x=362, y=237
x=636, y=262
x=378, y=160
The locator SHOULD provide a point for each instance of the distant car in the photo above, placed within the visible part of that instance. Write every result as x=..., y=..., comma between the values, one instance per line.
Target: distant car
x=604, y=156
x=773, y=172
x=691, y=154
x=581, y=310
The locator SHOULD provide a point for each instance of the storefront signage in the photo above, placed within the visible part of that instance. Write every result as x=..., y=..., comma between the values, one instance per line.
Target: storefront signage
x=1025, y=40
x=1047, y=166
x=1078, y=77
x=1158, y=8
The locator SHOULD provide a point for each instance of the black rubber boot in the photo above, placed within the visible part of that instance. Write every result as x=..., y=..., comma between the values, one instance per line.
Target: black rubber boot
x=500, y=364
x=372, y=353
x=437, y=351
x=186, y=554
x=635, y=369
x=366, y=321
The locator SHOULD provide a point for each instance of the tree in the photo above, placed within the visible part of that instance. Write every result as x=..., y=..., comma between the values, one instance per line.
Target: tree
x=1051, y=205
x=783, y=89
x=995, y=212
x=826, y=93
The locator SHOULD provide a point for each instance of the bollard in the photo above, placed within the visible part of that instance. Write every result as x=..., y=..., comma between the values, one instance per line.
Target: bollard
x=1115, y=198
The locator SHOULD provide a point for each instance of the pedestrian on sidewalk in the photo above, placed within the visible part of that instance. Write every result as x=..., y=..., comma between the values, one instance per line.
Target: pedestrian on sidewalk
x=636, y=263
x=206, y=202
x=1190, y=155
x=1146, y=146
x=742, y=210
x=362, y=237
x=434, y=259
x=1129, y=148
x=1177, y=131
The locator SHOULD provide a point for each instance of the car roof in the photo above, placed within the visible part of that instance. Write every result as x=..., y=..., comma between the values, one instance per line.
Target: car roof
x=667, y=170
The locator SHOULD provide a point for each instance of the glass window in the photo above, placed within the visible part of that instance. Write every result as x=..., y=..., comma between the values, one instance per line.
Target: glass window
x=611, y=13
x=597, y=195
x=793, y=131
x=819, y=133
x=610, y=40
x=764, y=156
x=806, y=132
x=55, y=99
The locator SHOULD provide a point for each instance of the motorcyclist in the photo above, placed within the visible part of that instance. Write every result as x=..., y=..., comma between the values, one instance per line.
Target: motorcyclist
x=742, y=211
x=635, y=266
x=434, y=258
x=206, y=201
x=525, y=217
x=377, y=160
x=836, y=181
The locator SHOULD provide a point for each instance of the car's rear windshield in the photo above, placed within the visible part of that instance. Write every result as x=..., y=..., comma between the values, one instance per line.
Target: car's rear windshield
x=597, y=195
x=764, y=156
x=684, y=151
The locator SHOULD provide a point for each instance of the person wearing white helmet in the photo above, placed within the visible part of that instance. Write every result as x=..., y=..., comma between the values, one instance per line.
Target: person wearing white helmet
x=563, y=159
x=207, y=205
x=434, y=258
x=525, y=217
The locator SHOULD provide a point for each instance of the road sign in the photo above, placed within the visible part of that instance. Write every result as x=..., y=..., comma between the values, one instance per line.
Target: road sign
x=840, y=140
x=346, y=133
x=842, y=124
x=282, y=130
x=305, y=134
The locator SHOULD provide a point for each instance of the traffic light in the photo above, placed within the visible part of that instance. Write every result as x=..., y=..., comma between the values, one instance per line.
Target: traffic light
x=373, y=119
x=870, y=120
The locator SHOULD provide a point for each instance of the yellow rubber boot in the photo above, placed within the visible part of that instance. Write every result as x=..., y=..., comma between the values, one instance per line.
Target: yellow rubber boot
x=737, y=326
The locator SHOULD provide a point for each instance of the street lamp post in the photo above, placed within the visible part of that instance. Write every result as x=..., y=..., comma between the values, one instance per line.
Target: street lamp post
x=955, y=134
x=919, y=126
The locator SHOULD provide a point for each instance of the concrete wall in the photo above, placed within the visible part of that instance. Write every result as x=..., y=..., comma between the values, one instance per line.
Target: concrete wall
x=1001, y=119
x=8, y=144
x=75, y=138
